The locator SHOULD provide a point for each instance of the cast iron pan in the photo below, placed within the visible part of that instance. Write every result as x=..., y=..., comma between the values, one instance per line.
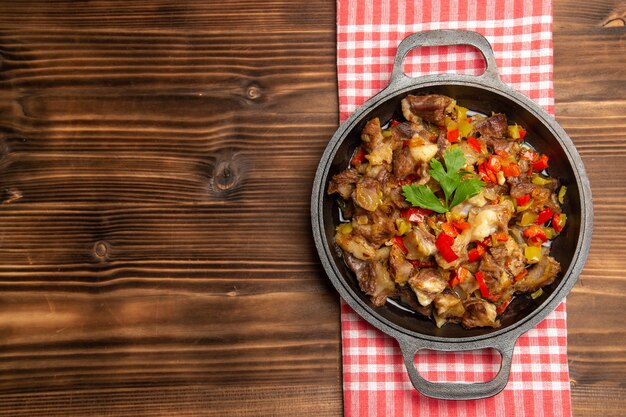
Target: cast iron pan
x=484, y=93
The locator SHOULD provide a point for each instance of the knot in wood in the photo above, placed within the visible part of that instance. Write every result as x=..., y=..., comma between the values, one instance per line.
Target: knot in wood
x=101, y=249
x=226, y=175
x=253, y=92
x=11, y=195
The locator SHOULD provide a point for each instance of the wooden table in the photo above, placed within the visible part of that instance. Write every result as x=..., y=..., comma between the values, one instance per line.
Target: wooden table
x=156, y=161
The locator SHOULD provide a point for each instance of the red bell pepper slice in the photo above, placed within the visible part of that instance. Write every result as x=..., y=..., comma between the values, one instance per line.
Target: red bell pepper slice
x=453, y=135
x=558, y=222
x=394, y=122
x=397, y=240
x=461, y=224
x=544, y=215
x=486, y=174
x=475, y=144
x=541, y=163
x=476, y=253
x=494, y=164
x=511, y=170
x=500, y=309
x=484, y=291
x=522, y=133
x=449, y=229
x=459, y=276
x=523, y=200
x=415, y=214
x=444, y=245
x=502, y=236
x=359, y=157
x=535, y=235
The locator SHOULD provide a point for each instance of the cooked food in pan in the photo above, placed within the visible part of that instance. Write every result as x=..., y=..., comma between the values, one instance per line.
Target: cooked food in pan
x=449, y=212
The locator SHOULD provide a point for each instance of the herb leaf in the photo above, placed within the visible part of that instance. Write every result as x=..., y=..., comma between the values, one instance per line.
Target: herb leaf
x=467, y=188
x=423, y=196
x=454, y=159
x=451, y=180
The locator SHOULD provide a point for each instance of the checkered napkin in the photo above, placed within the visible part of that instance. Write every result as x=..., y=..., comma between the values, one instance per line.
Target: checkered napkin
x=375, y=381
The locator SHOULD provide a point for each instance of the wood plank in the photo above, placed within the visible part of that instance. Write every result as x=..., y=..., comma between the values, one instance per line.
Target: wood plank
x=589, y=105
x=157, y=161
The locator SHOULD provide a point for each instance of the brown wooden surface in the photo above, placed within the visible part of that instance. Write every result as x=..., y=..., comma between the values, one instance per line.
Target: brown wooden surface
x=156, y=160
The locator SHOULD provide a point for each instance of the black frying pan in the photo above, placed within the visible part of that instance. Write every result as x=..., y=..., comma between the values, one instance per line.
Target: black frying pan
x=484, y=93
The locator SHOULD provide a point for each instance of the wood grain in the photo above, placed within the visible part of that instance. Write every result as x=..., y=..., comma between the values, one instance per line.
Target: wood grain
x=156, y=161
x=156, y=165
x=590, y=105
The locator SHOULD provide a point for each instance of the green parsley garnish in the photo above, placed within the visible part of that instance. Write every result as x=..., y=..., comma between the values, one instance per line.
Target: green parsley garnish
x=456, y=188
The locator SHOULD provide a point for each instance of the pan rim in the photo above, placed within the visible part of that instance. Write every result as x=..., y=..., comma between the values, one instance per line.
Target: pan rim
x=366, y=311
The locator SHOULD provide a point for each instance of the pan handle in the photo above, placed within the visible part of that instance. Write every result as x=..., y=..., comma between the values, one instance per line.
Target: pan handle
x=459, y=391
x=446, y=38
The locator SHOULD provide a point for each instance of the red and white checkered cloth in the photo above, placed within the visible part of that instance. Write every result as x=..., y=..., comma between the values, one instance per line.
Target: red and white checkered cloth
x=374, y=377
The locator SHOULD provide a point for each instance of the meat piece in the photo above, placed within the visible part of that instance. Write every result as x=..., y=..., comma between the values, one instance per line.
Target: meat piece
x=380, y=149
x=493, y=127
x=493, y=191
x=379, y=228
x=377, y=283
x=407, y=297
x=344, y=183
x=442, y=144
x=357, y=266
x=479, y=313
x=524, y=165
x=367, y=194
x=360, y=248
x=403, y=163
x=539, y=275
x=496, y=144
x=372, y=134
x=423, y=174
x=382, y=154
x=510, y=256
x=420, y=243
x=469, y=284
x=400, y=268
x=522, y=185
x=432, y=108
x=396, y=197
x=498, y=280
x=471, y=156
x=408, y=130
x=373, y=278
x=426, y=284
x=490, y=268
x=448, y=305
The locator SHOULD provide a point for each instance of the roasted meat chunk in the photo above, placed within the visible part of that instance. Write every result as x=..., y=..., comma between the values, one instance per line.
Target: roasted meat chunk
x=401, y=269
x=480, y=313
x=373, y=278
x=493, y=127
x=427, y=283
x=539, y=275
x=432, y=108
x=344, y=183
